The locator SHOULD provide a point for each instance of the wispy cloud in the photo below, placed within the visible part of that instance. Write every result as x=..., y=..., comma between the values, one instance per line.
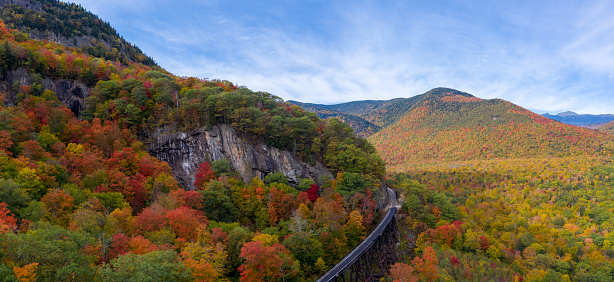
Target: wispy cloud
x=551, y=55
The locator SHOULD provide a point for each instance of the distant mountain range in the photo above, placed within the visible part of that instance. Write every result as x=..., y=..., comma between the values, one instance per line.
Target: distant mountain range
x=584, y=120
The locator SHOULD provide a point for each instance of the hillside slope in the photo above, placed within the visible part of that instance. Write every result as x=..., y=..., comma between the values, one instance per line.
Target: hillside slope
x=452, y=126
x=72, y=26
x=607, y=128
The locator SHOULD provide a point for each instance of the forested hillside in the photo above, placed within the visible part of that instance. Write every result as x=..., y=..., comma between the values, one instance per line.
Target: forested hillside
x=608, y=128
x=516, y=219
x=448, y=126
x=528, y=195
x=81, y=200
x=70, y=25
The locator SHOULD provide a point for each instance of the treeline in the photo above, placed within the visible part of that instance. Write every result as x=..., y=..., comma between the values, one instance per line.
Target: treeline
x=72, y=21
x=361, y=127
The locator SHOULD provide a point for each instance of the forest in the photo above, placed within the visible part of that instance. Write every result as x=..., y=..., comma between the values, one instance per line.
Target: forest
x=521, y=219
x=608, y=128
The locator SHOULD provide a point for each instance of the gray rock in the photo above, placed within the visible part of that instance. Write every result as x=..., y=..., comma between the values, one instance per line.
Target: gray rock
x=185, y=151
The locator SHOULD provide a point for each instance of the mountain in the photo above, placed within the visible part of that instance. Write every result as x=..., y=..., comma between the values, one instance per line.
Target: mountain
x=362, y=127
x=584, y=120
x=448, y=125
x=377, y=112
x=366, y=116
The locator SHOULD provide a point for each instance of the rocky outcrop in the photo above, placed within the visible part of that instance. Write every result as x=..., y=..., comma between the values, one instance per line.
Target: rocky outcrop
x=71, y=93
x=185, y=151
x=75, y=41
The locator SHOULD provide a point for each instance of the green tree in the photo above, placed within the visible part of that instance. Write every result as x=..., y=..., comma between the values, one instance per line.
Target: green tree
x=14, y=196
x=58, y=252
x=307, y=250
x=218, y=206
x=152, y=266
x=7, y=274
x=30, y=181
x=237, y=237
x=221, y=167
x=276, y=177
x=352, y=182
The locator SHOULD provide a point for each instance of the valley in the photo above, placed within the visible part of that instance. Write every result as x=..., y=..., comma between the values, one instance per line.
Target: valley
x=529, y=194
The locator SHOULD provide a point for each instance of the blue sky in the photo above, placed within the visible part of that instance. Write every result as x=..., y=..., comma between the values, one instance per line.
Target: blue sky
x=543, y=55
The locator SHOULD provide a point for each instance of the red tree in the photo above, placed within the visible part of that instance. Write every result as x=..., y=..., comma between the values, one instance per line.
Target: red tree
x=7, y=221
x=149, y=220
x=204, y=174
x=186, y=222
x=313, y=192
x=264, y=263
x=5, y=142
x=118, y=247
x=138, y=192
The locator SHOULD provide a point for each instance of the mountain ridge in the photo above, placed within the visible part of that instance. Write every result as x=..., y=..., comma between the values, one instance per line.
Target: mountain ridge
x=464, y=127
x=378, y=113
x=584, y=120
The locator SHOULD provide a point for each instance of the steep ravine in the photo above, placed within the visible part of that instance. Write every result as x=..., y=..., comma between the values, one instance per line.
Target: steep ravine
x=185, y=151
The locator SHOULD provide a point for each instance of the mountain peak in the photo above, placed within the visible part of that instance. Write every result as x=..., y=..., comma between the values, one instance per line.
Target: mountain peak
x=566, y=114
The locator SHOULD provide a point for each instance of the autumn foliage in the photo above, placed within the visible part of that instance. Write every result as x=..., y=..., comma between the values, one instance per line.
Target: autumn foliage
x=204, y=174
x=265, y=263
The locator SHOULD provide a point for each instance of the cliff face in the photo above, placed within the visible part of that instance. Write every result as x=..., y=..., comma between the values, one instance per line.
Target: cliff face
x=185, y=151
x=71, y=93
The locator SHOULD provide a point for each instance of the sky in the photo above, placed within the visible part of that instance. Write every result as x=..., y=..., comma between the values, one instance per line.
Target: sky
x=547, y=56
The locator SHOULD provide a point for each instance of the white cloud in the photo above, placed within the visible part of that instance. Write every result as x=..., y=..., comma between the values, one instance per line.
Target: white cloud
x=555, y=59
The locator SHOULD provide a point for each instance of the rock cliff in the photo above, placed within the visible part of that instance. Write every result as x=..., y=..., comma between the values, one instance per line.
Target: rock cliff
x=71, y=93
x=185, y=151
